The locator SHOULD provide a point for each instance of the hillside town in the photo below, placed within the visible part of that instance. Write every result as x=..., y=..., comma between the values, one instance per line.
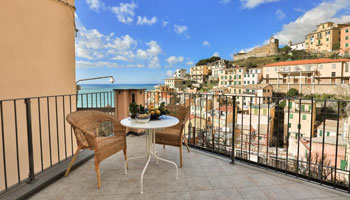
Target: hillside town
x=272, y=106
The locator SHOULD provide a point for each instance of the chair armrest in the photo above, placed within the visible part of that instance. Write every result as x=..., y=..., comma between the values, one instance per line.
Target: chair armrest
x=119, y=130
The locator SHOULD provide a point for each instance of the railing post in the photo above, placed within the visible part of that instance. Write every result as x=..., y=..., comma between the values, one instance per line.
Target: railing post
x=30, y=141
x=233, y=129
x=189, y=132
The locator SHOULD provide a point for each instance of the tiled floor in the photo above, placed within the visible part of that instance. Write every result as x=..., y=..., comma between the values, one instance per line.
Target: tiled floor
x=202, y=177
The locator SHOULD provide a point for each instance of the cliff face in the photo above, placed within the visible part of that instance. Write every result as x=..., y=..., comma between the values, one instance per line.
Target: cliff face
x=266, y=50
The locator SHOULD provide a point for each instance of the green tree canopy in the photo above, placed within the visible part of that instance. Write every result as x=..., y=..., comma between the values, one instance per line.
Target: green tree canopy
x=292, y=92
x=207, y=60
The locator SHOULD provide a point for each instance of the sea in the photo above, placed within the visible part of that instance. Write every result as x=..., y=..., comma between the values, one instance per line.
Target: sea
x=89, y=98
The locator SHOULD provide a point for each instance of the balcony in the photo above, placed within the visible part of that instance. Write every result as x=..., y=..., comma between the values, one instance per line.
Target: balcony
x=203, y=176
x=267, y=162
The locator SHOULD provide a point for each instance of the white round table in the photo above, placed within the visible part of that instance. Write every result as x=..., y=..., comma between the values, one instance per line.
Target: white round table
x=164, y=121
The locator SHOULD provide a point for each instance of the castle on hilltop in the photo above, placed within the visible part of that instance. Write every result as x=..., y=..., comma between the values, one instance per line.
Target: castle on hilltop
x=266, y=50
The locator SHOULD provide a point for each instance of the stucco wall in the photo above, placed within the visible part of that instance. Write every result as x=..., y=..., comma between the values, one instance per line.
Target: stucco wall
x=37, y=52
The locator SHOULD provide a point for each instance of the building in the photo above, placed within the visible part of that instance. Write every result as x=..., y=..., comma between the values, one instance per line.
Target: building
x=297, y=46
x=308, y=72
x=174, y=82
x=199, y=74
x=37, y=57
x=293, y=122
x=215, y=68
x=231, y=76
x=180, y=73
x=345, y=41
x=326, y=38
x=266, y=50
x=331, y=129
x=252, y=76
x=251, y=94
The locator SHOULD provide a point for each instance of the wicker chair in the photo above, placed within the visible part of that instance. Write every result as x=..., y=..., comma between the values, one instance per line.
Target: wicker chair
x=173, y=136
x=85, y=125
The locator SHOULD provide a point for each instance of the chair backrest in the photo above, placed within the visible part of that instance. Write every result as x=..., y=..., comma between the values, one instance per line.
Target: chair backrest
x=180, y=112
x=86, y=121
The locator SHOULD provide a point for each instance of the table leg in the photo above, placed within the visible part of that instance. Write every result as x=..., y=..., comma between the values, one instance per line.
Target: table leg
x=155, y=154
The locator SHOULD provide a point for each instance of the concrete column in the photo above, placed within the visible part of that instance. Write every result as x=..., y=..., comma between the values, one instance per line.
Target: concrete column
x=300, y=83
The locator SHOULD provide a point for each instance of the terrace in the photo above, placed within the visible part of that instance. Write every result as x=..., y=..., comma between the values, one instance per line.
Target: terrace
x=261, y=163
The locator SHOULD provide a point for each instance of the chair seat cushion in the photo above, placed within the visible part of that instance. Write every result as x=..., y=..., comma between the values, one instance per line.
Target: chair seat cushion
x=107, y=146
x=169, y=136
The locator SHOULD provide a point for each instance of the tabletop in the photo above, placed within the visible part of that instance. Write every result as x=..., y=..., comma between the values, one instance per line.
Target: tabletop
x=164, y=121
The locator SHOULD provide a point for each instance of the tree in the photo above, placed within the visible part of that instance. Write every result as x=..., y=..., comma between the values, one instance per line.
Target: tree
x=207, y=60
x=292, y=92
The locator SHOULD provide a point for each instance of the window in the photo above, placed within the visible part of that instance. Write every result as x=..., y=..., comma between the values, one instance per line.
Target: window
x=319, y=41
x=346, y=30
x=346, y=45
x=244, y=82
x=290, y=116
x=334, y=66
x=333, y=74
x=327, y=39
x=321, y=133
x=304, y=117
x=346, y=67
x=289, y=125
x=328, y=133
x=343, y=164
x=239, y=76
x=248, y=82
x=346, y=37
x=252, y=82
x=239, y=91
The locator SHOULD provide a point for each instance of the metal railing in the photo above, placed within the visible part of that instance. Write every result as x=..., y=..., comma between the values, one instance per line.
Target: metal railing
x=312, y=142
x=35, y=135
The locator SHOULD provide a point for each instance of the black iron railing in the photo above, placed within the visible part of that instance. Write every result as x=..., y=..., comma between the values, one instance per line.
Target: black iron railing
x=306, y=138
x=35, y=135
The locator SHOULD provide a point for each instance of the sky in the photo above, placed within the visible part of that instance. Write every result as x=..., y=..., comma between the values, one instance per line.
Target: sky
x=145, y=41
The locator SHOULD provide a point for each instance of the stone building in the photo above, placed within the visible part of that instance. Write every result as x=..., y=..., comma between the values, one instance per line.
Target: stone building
x=345, y=41
x=199, y=74
x=231, y=76
x=252, y=76
x=297, y=46
x=326, y=38
x=312, y=72
x=266, y=50
x=174, y=82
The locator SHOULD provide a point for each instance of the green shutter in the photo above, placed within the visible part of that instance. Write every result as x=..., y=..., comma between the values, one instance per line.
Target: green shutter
x=299, y=126
x=343, y=164
x=302, y=108
x=290, y=104
x=289, y=125
x=321, y=132
x=304, y=117
x=328, y=133
x=290, y=116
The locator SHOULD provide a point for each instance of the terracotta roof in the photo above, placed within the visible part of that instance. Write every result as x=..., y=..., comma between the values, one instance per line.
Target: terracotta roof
x=310, y=61
x=223, y=108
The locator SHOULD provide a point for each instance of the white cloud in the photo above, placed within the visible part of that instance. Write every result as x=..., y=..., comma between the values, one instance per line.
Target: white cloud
x=189, y=63
x=253, y=3
x=169, y=73
x=144, y=20
x=124, y=12
x=225, y=1
x=95, y=5
x=116, y=51
x=180, y=29
x=280, y=14
x=122, y=43
x=150, y=54
x=216, y=54
x=173, y=59
x=87, y=64
x=165, y=23
x=206, y=43
x=324, y=12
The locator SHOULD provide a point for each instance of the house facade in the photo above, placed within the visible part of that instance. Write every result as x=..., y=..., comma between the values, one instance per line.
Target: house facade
x=325, y=38
x=345, y=41
x=199, y=74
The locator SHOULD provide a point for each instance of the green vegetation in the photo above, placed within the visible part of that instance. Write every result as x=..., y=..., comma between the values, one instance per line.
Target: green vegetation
x=292, y=92
x=207, y=60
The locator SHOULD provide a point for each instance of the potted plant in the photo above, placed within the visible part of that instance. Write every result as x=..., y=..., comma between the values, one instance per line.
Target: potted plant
x=133, y=110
